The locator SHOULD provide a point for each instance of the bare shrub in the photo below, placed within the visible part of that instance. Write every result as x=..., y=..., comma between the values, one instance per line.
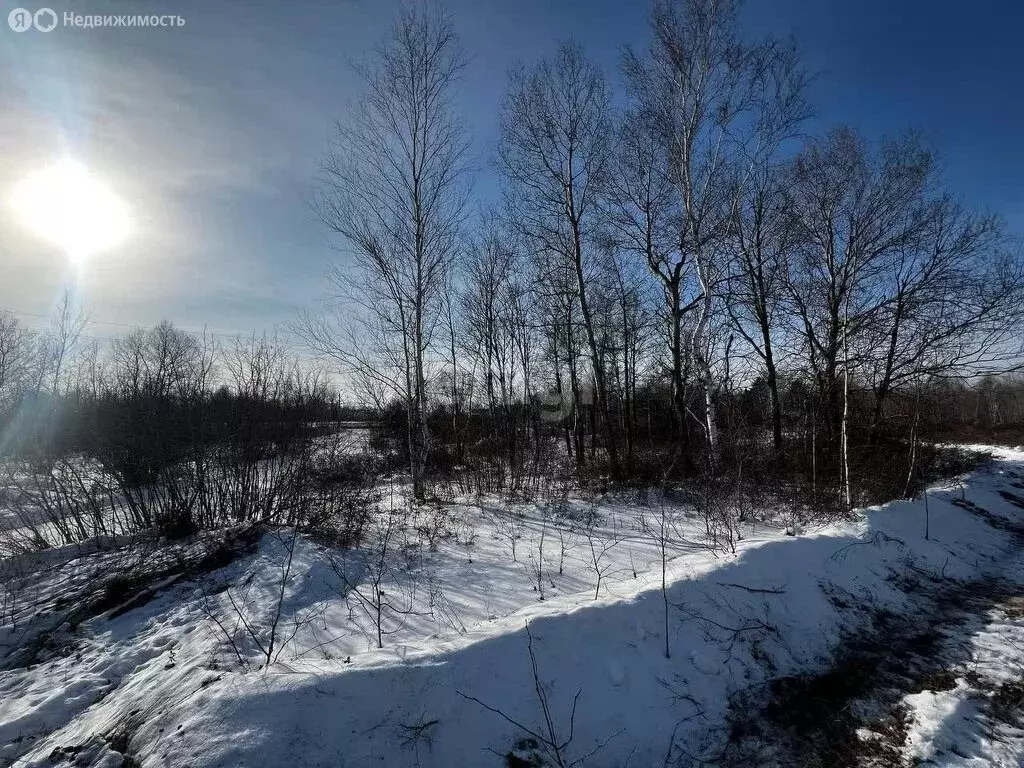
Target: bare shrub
x=549, y=738
x=377, y=579
x=465, y=532
x=599, y=545
x=510, y=525
x=254, y=620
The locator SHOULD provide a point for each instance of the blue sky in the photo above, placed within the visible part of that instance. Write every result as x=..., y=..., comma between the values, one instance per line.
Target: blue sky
x=211, y=132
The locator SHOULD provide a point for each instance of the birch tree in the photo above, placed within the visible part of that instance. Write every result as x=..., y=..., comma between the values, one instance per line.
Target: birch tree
x=556, y=150
x=707, y=93
x=394, y=187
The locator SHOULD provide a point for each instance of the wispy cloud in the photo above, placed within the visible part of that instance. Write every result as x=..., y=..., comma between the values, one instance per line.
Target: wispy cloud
x=175, y=145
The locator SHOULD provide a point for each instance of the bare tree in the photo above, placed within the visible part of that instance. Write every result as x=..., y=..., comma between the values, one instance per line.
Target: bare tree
x=599, y=545
x=61, y=341
x=853, y=211
x=510, y=525
x=656, y=522
x=762, y=228
x=376, y=580
x=492, y=322
x=259, y=620
x=394, y=188
x=556, y=305
x=16, y=351
x=643, y=218
x=19, y=358
x=243, y=626
x=535, y=566
x=556, y=150
x=757, y=281
x=953, y=301
x=702, y=89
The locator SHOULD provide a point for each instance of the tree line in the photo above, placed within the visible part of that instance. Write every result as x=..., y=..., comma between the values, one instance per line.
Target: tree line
x=168, y=431
x=694, y=281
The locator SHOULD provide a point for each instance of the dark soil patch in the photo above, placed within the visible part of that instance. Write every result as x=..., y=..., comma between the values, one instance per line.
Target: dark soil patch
x=134, y=588
x=1014, y=608
x=997, y=522
x=142, y=577
x=1013, y=498
x=132, y=591
x=939, y=680
x=820, y=721
x=1007, y=703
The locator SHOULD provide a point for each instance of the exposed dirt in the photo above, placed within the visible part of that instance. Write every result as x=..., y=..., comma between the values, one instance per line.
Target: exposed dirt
x=852, y=715
x=140, y=575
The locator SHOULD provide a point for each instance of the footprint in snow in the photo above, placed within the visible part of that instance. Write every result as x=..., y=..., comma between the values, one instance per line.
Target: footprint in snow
x=616, y=673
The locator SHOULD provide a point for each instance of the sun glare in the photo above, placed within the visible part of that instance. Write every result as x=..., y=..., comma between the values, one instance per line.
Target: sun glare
x=67, y=206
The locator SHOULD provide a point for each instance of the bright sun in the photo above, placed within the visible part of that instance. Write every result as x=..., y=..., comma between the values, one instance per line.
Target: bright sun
x=66, y=205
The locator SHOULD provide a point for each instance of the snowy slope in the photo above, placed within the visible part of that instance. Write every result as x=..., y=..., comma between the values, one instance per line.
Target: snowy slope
x=161, y=685
x=978, y=719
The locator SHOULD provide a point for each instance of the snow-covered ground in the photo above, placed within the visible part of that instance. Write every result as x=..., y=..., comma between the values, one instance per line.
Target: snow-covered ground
x=978, y=720
x=23, y=522
x=182, y=679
